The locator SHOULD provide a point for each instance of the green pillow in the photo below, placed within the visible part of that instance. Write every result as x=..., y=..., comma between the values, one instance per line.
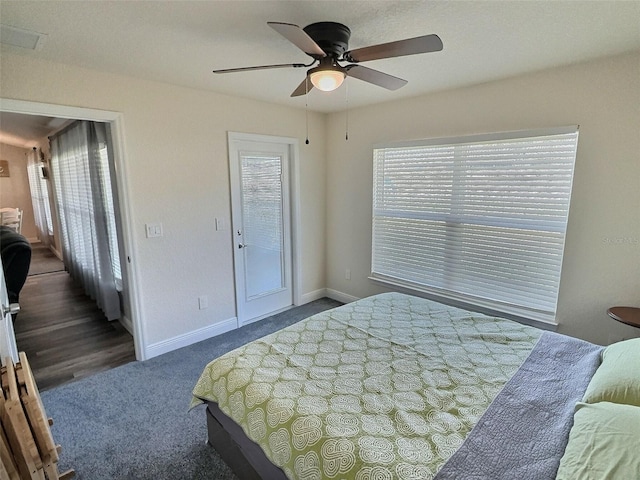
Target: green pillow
x=617, y=380
x=603, y=443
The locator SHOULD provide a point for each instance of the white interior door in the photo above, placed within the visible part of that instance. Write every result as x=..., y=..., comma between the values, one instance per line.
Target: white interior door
x=261, y=217
x=8, y=346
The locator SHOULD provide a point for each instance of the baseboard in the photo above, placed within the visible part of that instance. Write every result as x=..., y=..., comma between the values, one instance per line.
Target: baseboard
x=340, y=297
x=33, y=240
x=190, y=338
x=313, y=296
x=304, y=299
x=219, y=328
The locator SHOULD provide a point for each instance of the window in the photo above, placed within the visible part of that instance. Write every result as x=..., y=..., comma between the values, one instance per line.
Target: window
x=80, y=172
x=479, y=220
x=108, y=205
x=40, y=197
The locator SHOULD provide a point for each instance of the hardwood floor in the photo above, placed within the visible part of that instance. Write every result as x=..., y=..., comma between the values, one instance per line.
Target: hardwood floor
x=63, y=333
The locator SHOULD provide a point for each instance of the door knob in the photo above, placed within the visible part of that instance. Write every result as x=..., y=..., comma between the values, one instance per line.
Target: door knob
x=13, y=309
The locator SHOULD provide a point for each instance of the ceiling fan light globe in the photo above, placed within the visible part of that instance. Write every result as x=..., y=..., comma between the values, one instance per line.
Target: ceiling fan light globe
x=327, y=80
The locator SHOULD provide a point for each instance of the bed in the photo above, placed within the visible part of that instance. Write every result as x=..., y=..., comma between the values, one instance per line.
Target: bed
x=399, y=387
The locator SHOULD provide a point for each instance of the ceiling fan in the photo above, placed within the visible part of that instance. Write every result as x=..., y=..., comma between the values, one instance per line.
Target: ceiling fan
x=327, y=43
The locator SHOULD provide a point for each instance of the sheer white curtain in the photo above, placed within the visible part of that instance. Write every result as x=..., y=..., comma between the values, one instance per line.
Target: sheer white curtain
x=80, y=168
x=40, y=197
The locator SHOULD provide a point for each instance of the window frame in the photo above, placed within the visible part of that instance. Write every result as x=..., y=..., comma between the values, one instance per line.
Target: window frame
x=492, y=306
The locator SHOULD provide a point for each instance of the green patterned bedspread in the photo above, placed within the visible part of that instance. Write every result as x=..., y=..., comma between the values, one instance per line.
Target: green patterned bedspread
x=387, y=387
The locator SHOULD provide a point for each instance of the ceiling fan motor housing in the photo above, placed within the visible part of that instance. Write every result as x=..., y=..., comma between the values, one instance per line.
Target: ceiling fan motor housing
x=331, y=37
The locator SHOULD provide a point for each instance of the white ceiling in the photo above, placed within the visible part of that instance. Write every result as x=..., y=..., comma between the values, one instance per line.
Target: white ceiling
x=26, y=130
x=180, y=42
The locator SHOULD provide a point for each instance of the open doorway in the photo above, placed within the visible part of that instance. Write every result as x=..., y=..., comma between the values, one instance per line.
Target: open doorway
x=65, y=336
x=63, y=319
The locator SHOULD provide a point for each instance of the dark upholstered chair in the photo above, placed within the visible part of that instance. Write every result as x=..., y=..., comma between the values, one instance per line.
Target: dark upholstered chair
x=15, y=251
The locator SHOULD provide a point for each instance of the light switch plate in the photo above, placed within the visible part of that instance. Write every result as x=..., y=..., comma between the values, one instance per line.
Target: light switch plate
x=153, y=230
x=203, y=302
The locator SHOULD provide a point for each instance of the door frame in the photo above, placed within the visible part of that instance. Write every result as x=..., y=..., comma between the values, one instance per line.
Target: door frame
x=294, y=206
x=8, y=347
x=128, y=257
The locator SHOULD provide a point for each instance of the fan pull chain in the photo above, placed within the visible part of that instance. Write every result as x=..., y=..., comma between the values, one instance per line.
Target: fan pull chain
x=306, y=106
x=346, y=127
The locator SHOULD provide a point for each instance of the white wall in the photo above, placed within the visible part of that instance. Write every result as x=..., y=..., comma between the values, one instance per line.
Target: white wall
x=176, y=158
x=176, y=163
x=602, y=255
x=14, y=190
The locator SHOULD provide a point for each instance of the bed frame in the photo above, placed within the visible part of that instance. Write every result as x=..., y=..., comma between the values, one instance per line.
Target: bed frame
x=246, y=458
x=523, y=432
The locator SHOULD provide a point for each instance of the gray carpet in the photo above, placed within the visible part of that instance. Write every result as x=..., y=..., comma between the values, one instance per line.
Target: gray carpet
x=133, y=422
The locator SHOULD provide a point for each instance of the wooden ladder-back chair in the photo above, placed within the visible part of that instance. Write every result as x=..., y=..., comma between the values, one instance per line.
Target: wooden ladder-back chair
x=11, y=217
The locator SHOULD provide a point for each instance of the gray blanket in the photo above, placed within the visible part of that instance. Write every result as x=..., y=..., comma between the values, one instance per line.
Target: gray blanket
x=524, y=432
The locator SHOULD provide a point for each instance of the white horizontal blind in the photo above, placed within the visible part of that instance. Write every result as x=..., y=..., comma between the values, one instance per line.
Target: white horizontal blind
x=40, y=198
x=476, y=219
x=80, y=173
x=262, y=200
x=110, y=216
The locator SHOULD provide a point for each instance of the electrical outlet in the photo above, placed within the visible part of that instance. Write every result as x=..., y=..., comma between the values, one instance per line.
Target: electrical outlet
x=220, y=224
x=347, y=274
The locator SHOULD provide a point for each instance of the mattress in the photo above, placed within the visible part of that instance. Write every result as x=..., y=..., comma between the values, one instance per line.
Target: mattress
x=386, y=387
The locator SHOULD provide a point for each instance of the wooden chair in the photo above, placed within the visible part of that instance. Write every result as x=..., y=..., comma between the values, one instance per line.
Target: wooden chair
x=11, y=217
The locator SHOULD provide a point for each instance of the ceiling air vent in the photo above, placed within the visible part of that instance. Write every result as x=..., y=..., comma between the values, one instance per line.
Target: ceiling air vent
x=19, y=37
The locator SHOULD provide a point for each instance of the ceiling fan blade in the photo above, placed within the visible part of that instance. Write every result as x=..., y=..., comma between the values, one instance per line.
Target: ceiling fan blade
x=299, y=38
x=410, y=46
x=305, y=87
x=376, y=77
x=260, y=67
